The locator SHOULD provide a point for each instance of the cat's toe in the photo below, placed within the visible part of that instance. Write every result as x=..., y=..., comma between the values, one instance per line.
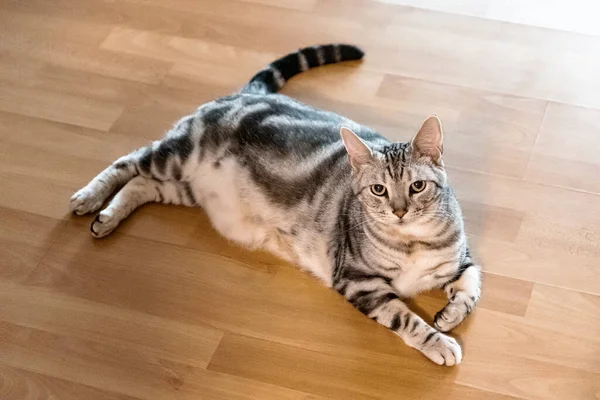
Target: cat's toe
x=450, y=317
x=454, y=313
x=443, y=350
x=103, y=224
x=84, y=201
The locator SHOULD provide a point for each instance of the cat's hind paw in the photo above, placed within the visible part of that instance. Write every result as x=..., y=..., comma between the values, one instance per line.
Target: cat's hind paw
x=103, y=224
x=85, y=201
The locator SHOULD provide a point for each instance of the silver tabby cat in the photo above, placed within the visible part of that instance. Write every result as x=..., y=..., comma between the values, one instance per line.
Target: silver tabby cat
x=373, y=219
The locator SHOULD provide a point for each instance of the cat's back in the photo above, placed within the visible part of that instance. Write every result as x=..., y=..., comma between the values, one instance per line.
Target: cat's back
x=273, y=125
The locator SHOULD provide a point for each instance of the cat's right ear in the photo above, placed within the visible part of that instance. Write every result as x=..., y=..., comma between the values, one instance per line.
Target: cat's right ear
x=358, y=151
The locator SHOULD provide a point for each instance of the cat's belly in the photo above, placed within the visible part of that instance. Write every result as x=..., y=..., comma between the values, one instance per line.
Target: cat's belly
x=232, y=207
x=236, y=222
x=240, y=211
x=312, y=256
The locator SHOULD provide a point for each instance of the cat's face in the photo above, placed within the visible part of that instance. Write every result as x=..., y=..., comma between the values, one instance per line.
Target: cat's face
x=402, y=183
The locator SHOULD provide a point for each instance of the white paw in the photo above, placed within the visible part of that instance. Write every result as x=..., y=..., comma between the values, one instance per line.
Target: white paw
x=104, y=224
x=442, y=350
x=453, y=314
x=85, y=201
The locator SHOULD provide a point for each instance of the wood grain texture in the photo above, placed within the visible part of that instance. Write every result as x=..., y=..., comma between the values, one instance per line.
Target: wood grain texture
x=165, y=308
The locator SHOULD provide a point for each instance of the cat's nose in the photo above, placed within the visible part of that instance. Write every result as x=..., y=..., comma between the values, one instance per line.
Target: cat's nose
x=400, y=213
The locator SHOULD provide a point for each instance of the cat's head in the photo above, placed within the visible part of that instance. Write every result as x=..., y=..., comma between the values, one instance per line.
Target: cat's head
x=401, y=183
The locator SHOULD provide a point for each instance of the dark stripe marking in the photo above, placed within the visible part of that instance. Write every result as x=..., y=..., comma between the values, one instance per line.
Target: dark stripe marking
x=428, y=338
x=395, y=323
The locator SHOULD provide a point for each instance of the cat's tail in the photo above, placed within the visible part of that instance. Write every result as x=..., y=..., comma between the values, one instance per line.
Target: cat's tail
x=276, y=74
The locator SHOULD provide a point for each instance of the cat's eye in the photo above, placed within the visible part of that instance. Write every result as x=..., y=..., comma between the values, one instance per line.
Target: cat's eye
x=378, y=190
x=418, y=186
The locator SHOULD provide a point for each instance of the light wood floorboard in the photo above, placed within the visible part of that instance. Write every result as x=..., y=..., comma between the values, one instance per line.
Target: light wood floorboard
x=167, y=309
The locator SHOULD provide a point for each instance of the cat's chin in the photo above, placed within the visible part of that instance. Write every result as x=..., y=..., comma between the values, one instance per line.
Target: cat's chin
x=405, y=221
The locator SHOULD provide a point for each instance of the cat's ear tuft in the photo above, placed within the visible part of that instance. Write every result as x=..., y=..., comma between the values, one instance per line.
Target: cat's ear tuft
x=358, y=151
x=429, y=140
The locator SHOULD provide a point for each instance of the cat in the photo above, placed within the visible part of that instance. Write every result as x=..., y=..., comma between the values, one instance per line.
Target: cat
x=376, y=220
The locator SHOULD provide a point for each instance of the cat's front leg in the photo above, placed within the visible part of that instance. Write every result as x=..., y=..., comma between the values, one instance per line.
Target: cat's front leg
x=463, y=291
x=376, y=298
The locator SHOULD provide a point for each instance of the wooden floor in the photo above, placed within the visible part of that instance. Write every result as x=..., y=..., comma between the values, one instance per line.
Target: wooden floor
x=166, y=309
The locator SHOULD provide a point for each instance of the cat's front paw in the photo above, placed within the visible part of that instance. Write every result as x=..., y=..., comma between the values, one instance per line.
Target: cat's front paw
x=442, y=349
x=454, y=313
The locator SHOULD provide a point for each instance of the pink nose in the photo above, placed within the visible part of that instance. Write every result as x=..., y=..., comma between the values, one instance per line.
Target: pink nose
x=400, y=213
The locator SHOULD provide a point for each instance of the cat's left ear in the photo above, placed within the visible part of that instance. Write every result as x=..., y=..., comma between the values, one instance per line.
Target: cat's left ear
x=429, y=140
x=358, y=151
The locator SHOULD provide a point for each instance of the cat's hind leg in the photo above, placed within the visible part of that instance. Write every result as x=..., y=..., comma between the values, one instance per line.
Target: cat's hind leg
x=138, y=191
x=163, y=160
x=91, y=197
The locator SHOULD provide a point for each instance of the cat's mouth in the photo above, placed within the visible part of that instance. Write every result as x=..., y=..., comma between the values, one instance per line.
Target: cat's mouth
x=404, y=221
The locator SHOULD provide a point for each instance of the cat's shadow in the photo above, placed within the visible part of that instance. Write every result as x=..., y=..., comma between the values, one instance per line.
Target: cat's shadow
x=427, y=304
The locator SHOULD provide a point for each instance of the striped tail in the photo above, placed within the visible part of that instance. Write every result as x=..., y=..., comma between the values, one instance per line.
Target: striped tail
x=273, y=77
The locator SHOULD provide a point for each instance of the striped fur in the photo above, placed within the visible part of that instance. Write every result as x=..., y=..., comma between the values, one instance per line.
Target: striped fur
x=273, y=173
x=274, y=76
